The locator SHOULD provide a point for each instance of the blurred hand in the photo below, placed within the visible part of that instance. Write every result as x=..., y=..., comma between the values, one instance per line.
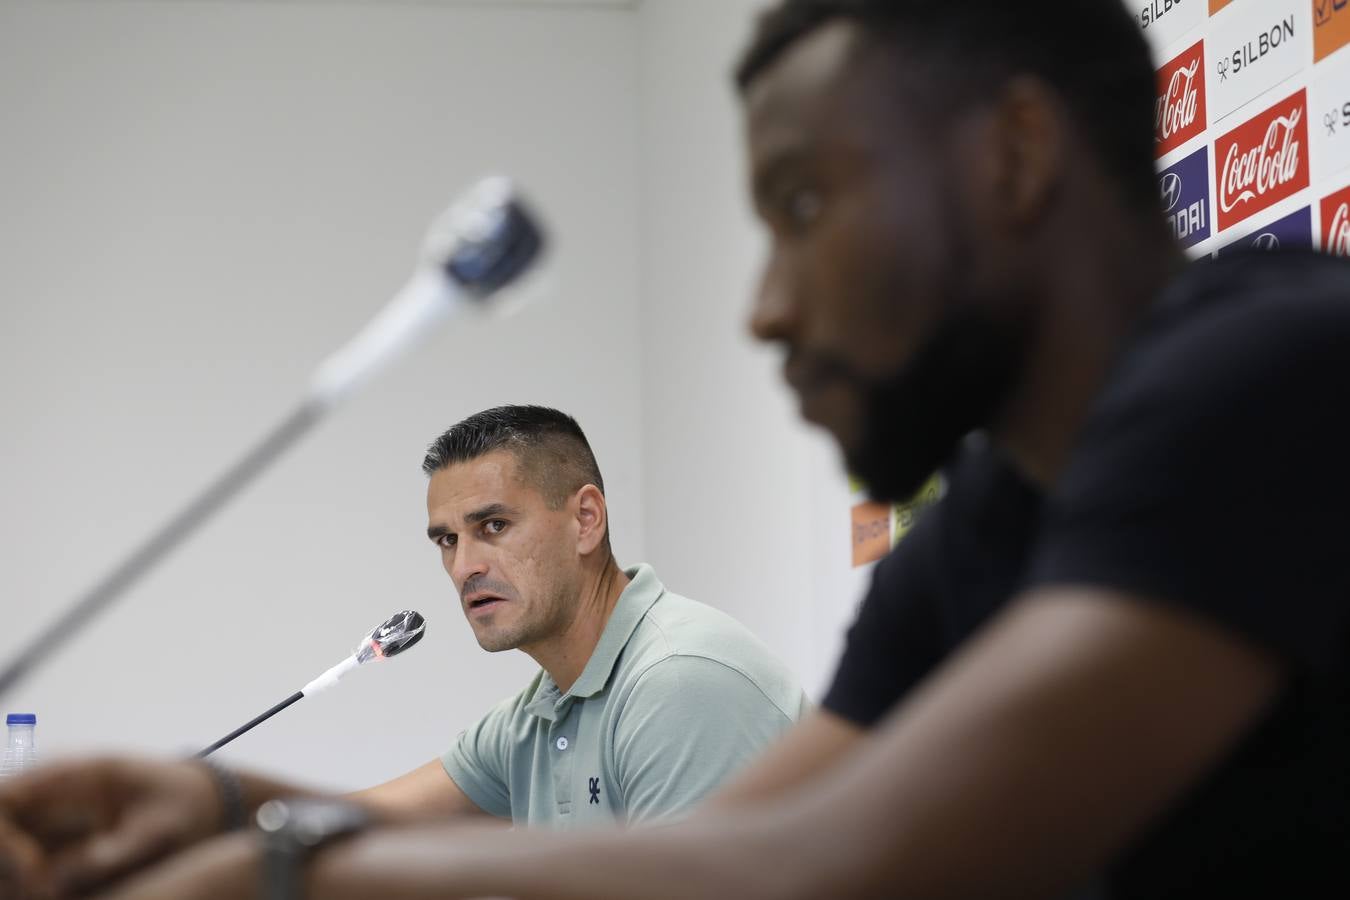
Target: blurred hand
x=71, y=827
x=226, y=868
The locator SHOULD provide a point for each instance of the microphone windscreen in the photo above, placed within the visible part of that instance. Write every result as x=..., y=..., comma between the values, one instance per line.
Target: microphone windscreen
x=394, y=635
x=487, y=239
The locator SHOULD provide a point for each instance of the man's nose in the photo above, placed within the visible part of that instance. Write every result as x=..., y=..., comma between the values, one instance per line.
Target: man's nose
x=467, y=563
x=773, y=317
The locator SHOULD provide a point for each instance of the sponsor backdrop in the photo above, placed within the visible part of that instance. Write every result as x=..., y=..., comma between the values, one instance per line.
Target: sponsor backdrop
x=1252, y=139
x=1252, y=129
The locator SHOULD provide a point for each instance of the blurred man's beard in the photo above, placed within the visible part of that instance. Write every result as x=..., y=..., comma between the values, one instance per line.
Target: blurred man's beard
x=957, y=382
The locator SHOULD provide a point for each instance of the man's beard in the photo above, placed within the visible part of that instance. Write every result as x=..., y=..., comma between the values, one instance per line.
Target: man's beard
x=547, y=618
x=958, y=381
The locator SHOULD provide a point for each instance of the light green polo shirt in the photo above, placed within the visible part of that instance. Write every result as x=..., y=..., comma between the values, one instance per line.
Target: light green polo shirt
x=676, y=697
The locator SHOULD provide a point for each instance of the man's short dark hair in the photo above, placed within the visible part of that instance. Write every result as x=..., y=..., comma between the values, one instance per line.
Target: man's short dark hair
x=549, y=446
x=1090, y=51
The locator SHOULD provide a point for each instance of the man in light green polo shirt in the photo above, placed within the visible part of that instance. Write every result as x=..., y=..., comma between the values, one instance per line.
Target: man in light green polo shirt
x=645, y=700
x=675, y=696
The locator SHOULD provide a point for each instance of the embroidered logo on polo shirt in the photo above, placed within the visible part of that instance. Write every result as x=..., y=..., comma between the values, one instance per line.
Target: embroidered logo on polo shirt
x=595, y=790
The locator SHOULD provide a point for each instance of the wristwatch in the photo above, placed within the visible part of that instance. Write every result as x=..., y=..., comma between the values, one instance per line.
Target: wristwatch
x=292, y=830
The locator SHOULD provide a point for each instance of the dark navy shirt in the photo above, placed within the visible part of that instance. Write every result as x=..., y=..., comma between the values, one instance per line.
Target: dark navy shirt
x=1213, y=474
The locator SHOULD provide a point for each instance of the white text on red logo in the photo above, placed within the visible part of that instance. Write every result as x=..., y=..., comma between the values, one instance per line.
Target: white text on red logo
x=1175, y=109
x=1338, y=238
x=1263, y=168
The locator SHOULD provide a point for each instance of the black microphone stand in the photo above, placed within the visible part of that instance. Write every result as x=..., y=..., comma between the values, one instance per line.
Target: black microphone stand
x=162, y=541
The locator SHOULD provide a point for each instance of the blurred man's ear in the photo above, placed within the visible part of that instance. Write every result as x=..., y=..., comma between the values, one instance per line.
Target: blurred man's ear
x=1019, y=162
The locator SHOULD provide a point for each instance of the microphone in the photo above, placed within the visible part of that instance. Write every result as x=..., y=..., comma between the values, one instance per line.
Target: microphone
x=473, y=249
x=394, y=635
x=485, y=241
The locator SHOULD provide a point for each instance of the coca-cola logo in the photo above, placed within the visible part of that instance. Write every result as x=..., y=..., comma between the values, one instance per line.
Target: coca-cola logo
x=1262, y=169
x=1336, y=223
x=1262, y=161
x=1179, y=110
x=1338, y=233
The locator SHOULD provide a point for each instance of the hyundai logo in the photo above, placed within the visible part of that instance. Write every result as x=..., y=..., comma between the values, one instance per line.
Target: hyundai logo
x=1266, y=241
x=1171, y=191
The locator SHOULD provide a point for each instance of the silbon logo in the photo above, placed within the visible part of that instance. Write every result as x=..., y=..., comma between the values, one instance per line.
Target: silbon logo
x=1253, y=51
x=1155, y=10
x=1337, y=117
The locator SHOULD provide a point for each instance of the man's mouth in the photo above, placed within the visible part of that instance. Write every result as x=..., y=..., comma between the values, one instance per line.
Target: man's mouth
x=796, y=374
x=808, y=373
x=477, y=602
x=817, y=390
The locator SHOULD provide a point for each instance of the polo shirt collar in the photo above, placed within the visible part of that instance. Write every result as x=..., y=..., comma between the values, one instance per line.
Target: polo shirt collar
x=643, y=590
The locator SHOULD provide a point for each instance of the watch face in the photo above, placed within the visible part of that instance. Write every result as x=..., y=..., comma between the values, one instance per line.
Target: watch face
x=272, y=816
x=310, y=821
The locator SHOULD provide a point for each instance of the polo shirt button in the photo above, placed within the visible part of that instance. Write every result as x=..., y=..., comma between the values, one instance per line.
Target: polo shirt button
x=562, y=743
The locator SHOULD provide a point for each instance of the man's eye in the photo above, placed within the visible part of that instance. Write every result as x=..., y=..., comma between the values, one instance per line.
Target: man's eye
x=802, y=206
x=446, y=541
x=494, y=526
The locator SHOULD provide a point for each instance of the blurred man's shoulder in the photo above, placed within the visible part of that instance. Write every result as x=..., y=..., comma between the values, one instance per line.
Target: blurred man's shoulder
x=1239, y=332
x=1259, y=296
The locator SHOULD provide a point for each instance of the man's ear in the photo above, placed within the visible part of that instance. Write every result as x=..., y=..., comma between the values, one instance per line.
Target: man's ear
x=1020, y=154
x=592, y=519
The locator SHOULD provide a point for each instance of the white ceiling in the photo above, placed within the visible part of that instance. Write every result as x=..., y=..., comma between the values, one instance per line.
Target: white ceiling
x=500, y=3
x=518, y=4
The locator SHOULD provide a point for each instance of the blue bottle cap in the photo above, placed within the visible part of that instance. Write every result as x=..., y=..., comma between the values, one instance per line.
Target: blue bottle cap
x=20, y=719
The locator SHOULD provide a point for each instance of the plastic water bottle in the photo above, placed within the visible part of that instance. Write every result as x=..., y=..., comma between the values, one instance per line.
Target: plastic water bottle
x=21, y=752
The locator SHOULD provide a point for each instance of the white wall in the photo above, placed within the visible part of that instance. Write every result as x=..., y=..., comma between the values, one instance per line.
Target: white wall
x=745, y=508
x=197, y=202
